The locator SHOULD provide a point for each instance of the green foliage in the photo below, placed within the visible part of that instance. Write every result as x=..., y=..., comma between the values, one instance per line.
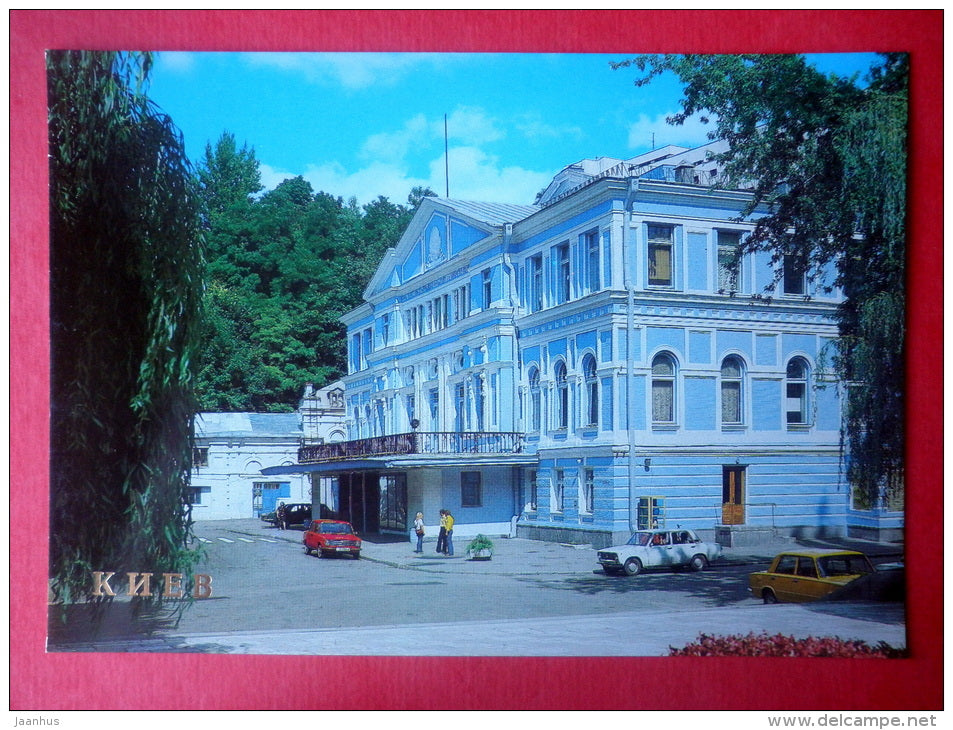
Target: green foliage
x=125, y=298
x=283, y=268
x=478, y=543
x=827, y=160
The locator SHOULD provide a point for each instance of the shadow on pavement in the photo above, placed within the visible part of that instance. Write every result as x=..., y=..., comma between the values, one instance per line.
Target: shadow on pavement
x=109, y=620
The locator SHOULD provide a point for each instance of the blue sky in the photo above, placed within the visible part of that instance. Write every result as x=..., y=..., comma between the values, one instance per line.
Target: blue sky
x=370, y=124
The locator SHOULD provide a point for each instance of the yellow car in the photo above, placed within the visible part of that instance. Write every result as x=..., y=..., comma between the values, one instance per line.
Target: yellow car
x=807, y=575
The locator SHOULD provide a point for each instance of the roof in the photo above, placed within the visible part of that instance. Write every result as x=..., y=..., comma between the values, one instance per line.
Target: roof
x=247, y=424
x=818, y=552
x=494, y=214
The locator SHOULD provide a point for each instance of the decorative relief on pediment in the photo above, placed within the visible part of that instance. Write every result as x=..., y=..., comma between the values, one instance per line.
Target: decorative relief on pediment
x=435, y=251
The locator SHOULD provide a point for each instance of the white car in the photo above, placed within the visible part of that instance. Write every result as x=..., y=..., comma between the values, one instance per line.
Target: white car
x=658, y=549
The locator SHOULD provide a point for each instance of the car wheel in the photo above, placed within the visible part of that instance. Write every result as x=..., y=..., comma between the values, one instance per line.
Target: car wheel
x=322, y=554
x=357, y=556
x=608, y=571
x=698, y=562
x=307, y=550
x=767, y=595
x=633, y=566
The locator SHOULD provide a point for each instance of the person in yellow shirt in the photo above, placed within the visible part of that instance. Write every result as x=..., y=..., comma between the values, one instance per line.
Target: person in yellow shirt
x=449, y=518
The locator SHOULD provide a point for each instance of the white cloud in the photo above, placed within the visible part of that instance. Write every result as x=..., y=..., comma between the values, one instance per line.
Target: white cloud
x=471, y=125
x=536, y=129
x=351, y=70
x=692, y=133
x=176, y=61
x=394, y=146
x=465, y=125
x=474, y=175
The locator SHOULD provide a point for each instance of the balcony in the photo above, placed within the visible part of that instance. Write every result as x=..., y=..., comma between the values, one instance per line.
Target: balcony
x=398, y=444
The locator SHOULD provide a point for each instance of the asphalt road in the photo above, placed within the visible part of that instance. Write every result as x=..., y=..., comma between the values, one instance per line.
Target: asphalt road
x=533, y=598
x=272, y=584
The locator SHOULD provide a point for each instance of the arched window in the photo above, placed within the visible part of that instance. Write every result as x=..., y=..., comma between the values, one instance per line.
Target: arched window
x=797, y=377
x=732, y=390
x=663, y=388
x=535, y=416
x=562, y=397
x=592, y=390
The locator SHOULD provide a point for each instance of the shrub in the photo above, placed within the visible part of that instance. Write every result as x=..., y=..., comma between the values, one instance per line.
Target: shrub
x=779, y=645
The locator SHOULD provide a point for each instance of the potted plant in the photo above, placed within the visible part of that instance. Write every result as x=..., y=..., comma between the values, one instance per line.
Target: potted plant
x=480, y=548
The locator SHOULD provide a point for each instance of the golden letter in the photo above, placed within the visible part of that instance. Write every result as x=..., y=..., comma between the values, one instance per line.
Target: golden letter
x=99, y=583
x=143, y=583
x=203, y=585
x=173, y=585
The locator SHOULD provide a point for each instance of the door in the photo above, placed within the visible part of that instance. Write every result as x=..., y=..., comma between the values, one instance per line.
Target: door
x=733, y=495
x=265, y=496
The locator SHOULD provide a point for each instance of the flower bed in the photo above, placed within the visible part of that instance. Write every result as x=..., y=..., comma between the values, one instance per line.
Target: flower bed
x=762, y=645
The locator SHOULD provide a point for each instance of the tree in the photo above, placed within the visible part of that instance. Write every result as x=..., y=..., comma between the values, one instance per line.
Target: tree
x=283, y=267
x=827, y=156
x=125, y=298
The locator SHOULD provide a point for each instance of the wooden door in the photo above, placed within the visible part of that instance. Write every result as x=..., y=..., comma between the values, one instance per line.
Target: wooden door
x=733, y=495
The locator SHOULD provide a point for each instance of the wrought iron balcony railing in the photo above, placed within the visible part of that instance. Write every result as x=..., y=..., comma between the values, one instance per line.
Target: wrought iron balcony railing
x=464, y=442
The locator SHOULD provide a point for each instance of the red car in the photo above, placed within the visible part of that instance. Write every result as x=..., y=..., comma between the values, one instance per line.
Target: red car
x=332, y=537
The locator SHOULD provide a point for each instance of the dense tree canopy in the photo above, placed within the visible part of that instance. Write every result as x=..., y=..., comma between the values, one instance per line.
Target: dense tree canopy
x=283, y=267
x=125, y=301
x=828, y=156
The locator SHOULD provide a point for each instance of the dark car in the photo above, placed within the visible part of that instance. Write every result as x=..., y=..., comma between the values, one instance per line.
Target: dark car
x=332, y=537
x=297, y=514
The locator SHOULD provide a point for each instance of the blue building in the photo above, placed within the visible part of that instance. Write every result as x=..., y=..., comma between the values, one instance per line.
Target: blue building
x=599, y=361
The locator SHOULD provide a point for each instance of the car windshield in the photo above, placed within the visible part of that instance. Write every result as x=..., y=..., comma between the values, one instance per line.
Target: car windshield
x=335, y=528
x=640, y=538
x=834, y=565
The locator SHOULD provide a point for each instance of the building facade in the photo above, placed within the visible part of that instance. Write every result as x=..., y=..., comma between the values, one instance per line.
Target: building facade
x=231, y=449
x=600, y=361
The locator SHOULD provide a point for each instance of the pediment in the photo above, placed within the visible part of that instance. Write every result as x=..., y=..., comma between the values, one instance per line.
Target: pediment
x=436, y=234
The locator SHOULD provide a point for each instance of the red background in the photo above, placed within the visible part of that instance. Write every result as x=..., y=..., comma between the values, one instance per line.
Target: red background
x=40, y=681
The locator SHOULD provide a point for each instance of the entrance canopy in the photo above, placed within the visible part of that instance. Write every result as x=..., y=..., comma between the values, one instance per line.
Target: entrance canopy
x=404, y=462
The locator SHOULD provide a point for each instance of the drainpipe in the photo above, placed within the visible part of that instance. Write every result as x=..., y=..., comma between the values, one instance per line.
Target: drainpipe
x=627, y=263
x=513, y=295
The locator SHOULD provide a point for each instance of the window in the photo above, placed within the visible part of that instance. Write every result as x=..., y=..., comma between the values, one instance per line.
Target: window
x=562, y=397
x=588, y=488
x=480, y=402
x=795, y=274
x=536, y=283
x=434, y=409
x=660, y=255
x=193, y=495
x=487, y=288
x=796, y=392
x=563, y=273
x=559, y=490
x=732, y=403
x=663, y=389
x=385, y=330
x=533, y=491
x=199, y=456
x=592, y=390
x=460, y=402
x=459, y=299
x=411, y=408
x=356, y=352
x=471, y=489
x=535, y=414
x=729, y=265
x=366, y=348
x=592, y=261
